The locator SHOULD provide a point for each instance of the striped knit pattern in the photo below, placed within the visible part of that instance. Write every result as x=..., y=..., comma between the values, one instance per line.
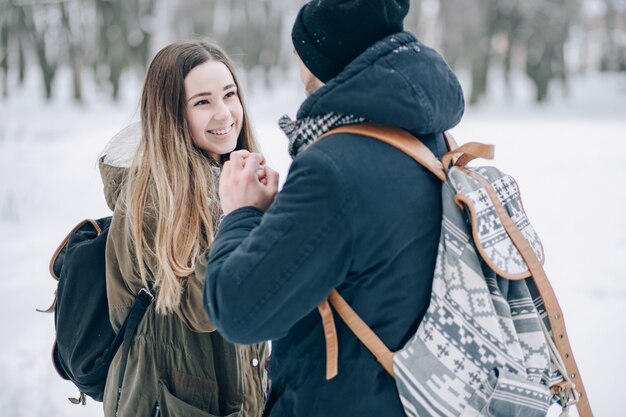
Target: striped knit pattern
x=302, y=132
x=480, y=349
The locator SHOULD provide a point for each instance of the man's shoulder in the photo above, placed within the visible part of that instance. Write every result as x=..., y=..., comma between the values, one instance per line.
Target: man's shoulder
x=338, y=146
x=335, y=156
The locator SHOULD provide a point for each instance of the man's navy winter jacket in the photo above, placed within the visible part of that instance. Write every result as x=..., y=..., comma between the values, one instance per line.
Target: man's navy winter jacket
x=354, y=214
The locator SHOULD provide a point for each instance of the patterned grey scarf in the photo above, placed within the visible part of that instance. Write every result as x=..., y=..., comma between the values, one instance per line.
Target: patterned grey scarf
x=302, y=132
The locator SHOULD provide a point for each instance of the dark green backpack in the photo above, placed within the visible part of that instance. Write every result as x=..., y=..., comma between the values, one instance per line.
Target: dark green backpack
x=85, y=342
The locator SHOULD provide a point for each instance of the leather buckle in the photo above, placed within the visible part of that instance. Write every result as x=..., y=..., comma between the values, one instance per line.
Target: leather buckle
x=567, y=395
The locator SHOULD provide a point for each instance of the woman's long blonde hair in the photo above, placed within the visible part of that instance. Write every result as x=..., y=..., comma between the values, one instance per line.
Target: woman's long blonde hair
x=170, y=194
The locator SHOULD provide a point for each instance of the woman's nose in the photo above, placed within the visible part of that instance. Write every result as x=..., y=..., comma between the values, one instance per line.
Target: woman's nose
x=222, y=112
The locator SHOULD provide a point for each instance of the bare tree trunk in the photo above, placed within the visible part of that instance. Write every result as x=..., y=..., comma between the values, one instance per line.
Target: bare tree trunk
x=481, y=49
x=74, y=53
x=144, y=48
x=539, y=65
x=4, y=52
x=16, y=37
x=480, y=68
x=48, y=68
x=514, y=30
x=623, y=54
x=21, y=58
x=453, y=26
x=545, y=57
x=467, y=37
x=111, y=42
x=609, y=56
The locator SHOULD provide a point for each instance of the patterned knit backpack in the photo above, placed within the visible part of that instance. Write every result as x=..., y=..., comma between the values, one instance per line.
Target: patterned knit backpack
x=493, y=342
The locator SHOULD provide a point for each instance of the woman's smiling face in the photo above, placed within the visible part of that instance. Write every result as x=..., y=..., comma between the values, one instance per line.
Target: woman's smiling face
x=213, y=110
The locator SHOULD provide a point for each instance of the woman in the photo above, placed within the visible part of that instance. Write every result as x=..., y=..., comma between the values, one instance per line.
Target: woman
x=165, y=215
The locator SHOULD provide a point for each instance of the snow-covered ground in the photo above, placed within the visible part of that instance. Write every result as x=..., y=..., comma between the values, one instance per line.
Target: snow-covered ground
x=569, y=158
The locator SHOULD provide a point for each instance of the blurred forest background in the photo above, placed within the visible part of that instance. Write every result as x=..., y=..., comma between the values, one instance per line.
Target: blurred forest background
x=102, y=40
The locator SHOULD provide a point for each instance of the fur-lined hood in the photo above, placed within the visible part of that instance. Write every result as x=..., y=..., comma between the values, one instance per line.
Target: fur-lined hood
x=116, y=160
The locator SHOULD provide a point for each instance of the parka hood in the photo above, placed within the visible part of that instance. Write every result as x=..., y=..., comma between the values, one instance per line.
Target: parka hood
x=116, y=160
x=398, y=81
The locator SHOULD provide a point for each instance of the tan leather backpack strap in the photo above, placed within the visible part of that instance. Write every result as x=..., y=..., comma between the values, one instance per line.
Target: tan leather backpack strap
x=56, y=254
x=64, y=242
x=462, y=155
x=330, y=334
x=362, y=331
x=399, y=138
x=553, y=310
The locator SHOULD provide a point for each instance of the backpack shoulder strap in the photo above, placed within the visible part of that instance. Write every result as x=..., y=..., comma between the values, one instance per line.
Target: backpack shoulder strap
x=412, y=146
x=398, y=138
x=126, y=334
x=365, y=334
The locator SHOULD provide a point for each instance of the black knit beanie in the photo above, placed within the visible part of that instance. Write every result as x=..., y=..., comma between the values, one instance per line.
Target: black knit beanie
x=329, y=34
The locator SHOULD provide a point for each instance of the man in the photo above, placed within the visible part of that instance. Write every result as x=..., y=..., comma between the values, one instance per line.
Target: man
x=354, y=214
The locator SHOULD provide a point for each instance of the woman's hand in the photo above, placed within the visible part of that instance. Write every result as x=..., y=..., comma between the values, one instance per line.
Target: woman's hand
x=246, y=181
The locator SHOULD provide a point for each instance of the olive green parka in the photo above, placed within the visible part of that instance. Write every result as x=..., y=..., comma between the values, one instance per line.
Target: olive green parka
x=178, y=364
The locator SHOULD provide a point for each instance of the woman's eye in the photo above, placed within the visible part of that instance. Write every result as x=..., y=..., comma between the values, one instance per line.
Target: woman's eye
x=230, y=94
x=201, y=102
